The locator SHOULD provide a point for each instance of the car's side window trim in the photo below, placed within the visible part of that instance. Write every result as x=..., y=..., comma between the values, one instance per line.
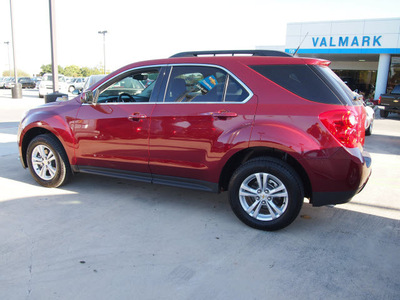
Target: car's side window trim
x=105, y=84
x=229, y=75
x=165, y=83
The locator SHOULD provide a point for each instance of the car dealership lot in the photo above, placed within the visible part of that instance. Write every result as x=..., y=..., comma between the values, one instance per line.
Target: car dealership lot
x=102, y=238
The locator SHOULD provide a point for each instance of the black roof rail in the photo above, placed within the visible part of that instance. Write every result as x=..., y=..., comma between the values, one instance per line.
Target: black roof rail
x=232, y=53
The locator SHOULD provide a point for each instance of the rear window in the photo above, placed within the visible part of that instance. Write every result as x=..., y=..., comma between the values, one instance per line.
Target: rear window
x=301, y=80
x=334, y=82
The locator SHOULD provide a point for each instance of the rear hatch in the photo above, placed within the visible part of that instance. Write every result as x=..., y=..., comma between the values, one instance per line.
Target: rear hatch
x=345, y=117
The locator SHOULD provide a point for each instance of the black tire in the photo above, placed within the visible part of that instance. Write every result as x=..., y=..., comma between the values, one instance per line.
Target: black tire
x=47, y=161
x=278, y=200
x=383, y=113
x=368, y=131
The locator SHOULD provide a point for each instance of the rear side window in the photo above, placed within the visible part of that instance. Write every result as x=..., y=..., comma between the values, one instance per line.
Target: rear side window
x=300, y=80
x=203, y=84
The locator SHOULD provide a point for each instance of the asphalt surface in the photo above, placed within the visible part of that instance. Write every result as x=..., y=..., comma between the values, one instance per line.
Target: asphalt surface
x=105, y=238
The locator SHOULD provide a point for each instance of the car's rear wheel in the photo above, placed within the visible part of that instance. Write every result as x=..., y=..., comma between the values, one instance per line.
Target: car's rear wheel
x=383, y=113
x=47, y=161
x=266, y=194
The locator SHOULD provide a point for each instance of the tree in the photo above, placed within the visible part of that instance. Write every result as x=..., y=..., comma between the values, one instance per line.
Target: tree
x=72, y=71
x=86, y=72
x=47, y=69
x=20, y=73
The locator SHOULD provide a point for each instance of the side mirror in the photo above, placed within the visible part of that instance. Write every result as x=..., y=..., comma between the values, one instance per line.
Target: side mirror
x=89, y=97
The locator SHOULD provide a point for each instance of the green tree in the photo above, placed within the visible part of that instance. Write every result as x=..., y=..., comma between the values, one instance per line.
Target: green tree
x=20, y=73
x=72, y=71
x=47, y=69
x=85, y=71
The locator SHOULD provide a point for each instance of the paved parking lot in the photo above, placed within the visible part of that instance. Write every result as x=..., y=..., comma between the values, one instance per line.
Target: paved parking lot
x=104, y=238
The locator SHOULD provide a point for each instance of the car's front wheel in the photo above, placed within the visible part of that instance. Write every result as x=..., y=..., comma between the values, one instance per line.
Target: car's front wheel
x=266, y=193
x=47, y=161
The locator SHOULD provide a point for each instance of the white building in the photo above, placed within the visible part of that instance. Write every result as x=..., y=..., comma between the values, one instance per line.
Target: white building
x=364, y=53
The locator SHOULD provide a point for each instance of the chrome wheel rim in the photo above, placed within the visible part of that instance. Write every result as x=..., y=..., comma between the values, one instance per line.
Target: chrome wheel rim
x=263, y=196
x=44, y=162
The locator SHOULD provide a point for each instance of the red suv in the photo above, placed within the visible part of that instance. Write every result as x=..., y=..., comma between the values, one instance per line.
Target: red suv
x=268, y=128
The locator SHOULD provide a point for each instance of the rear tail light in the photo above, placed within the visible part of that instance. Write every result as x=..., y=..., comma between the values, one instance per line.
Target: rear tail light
x=346, y=126
x=379, y=101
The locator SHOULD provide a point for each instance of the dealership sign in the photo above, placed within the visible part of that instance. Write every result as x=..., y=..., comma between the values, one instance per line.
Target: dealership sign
x=360, y=36
x=346, y=41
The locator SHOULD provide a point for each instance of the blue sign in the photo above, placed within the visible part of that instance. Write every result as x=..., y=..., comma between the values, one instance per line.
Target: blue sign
x=355, y=44
x=209, y=82
x=345, y=41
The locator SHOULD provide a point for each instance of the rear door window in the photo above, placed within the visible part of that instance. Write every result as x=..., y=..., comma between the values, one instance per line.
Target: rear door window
x=203, y=84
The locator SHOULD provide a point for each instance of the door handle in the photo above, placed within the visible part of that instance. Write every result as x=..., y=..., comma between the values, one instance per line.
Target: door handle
x=223, y=114
x=137, y=116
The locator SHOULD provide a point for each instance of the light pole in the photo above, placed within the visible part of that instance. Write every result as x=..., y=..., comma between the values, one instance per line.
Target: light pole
x=104, y=47
x=16, y=91
x=9, y=64
x=54, y=63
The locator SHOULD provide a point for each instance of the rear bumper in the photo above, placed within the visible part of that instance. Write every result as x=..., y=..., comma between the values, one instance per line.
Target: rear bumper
x=339, y=197
x=389, y=108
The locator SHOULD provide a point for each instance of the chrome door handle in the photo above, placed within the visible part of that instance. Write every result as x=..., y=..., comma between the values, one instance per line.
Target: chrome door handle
x=223, y=114
x=137, y=116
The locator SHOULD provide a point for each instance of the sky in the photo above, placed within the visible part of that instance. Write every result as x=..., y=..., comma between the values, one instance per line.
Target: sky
x=141, y=30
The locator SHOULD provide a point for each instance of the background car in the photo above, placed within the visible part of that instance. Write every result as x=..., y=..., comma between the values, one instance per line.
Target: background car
x=369, y=121
x=46, y=85
x=27, y=82
x=37, y=81
x=76, y=84
x=9, y=84
x=92, y=79
x=4, y=81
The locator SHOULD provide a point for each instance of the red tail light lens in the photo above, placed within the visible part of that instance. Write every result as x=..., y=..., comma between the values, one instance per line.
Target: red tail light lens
x=379, y=101
x=345, y=126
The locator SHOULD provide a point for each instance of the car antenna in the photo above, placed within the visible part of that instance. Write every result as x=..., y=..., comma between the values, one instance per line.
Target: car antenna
x=300, y=44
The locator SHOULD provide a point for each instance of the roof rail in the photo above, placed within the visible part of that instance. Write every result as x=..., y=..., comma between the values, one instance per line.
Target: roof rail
x=232, y=53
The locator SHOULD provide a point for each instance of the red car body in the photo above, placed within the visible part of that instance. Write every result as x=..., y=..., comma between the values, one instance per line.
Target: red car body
x=200, y=145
